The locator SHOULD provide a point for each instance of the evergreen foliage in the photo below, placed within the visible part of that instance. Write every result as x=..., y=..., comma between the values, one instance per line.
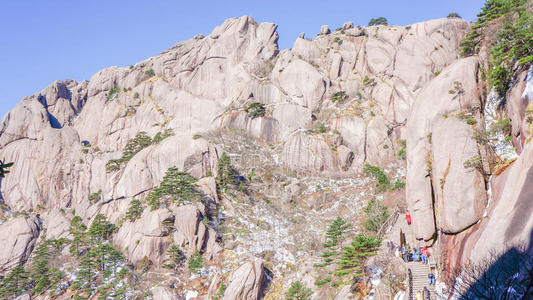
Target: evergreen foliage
x=4, y=168
x=135, y=210
x=225, y=176
x=98, y=260
x=134, y=146
x=195, y=261
x=14, y=283
x=375, y=214
x=382, y=181
x=177, y=186
x=453, y=16
x=298, y=291
x=174, y=259
x=353, y=258
x=513, y=44
x=256, y=109
x=378, y=21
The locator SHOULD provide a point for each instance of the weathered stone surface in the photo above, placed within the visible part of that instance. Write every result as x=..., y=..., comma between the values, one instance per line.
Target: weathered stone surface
x=459, y=192
x=163, y=293
x=246, y=282
x=17, y=237
x=309, y=152
x=434, y=102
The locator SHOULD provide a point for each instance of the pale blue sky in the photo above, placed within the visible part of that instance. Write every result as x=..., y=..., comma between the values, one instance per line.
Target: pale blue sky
x=45, y=40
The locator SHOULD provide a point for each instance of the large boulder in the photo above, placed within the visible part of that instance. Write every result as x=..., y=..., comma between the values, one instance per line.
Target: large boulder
x=246, y=282
x=455, y=90
x=17, y=237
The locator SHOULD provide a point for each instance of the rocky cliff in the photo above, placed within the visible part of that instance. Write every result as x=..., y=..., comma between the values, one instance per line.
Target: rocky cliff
x=299, y=126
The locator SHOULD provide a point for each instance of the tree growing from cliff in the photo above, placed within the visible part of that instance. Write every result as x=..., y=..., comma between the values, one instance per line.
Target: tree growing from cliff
x=135, y=210
x=354, y=256
x=4, y=168
x=378, y=21
x=177, y=186
x=174, y=259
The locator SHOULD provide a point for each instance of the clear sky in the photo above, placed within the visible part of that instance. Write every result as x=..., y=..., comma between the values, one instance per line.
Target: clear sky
x=45, y=40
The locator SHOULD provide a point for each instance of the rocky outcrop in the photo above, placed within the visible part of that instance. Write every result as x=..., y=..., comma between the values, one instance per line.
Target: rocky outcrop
x=435, y=155
x=163, y=293
x=17, y=237
x=246, y=282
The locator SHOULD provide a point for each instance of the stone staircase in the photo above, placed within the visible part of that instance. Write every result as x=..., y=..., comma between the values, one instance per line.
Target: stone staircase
x=420, y=273
x=419, y=270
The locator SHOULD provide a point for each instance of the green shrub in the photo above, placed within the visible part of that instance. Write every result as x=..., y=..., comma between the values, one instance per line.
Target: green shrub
x=220, y=292
x=402, y=153
x=195, y=262
x=196, y=136
x=471, y=121
x=322, y=128
x=367, y=81
x=150, y=72
x=337, y=40
x=298, y=291
x=323, y=281
x=112, y=92
x=378, y=21
x=339, y=96
x=136, y=95
x=398, y=185
x=382, y=181
x=453, y=16
x=255, y=110
x=95, y=197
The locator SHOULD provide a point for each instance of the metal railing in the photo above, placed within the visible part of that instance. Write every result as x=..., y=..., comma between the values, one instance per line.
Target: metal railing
x=389, y=223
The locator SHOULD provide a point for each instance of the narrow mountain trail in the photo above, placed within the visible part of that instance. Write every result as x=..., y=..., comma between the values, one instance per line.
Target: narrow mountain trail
x=419, y=271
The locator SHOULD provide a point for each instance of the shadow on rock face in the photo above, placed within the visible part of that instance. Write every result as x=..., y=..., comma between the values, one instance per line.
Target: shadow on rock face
x=507, y=275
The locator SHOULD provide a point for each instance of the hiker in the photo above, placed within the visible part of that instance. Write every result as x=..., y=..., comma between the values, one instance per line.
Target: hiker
x=425, y=254
x=426, y=294
x=415, y=255
x=431, y=278
x=404, y=254
x=419, y=295
x=408, y=217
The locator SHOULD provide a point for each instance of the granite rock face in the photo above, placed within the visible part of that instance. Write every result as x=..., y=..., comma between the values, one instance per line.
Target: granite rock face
x=325, y=108
x=18, y=237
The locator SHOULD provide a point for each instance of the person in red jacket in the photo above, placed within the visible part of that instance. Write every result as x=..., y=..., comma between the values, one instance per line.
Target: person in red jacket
x=408, y=218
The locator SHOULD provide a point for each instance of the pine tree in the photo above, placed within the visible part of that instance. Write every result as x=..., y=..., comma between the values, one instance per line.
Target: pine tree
x=177, y=186
x=195, y=261
x=135, y=210
x=175, y=258
x=298, y=291
x=375, y=214
x=77, y=229
x=225, y=175
x=334, y=235
x=15, y=282
x=353, y=257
